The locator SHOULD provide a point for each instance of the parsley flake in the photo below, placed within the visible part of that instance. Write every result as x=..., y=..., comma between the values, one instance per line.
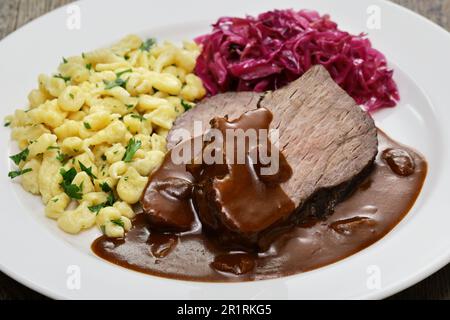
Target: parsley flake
x=111, y=199
x=62, y=157
x=138, y=116
x=105, y=187
x=132, y=147
x=118, y=222
x=14, y=174
x=21, y=156
x=118, y=74
x=87, y=170
x=72, y=190
x=60, y=76
x=96, y=209
x=68, y=175
x=147, y=44
x=115, y=83
x=186, y=106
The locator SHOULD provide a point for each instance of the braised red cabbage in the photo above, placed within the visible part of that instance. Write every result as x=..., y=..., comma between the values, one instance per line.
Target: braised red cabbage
x=266, y=52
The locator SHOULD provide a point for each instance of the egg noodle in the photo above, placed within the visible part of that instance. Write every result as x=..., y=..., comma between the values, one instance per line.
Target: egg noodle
x=94, y=131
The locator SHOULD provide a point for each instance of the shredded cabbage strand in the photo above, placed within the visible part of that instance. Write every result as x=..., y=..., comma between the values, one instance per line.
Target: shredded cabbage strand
x=276, y=47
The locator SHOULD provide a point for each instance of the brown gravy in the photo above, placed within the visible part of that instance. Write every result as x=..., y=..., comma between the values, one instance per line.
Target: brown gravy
x=372, y=211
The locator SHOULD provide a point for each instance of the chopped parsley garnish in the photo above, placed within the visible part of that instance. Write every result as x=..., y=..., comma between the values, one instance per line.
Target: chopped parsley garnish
x=87, y=170
x=68, y=175
x=83, y=55
x=111, y=199
x=53, y=148
x=72, y=190
x=71, y=96
x=14, y=174
x=129, y=106
x=64, y=60
x=103, y=157
x=7, y=124
x=186, y=105
x=132, y=147
x=55, y=200
x=119, y=82
x=116, y=83
x=89, y=66
x=105, y=187
x=60, y=76
x=118, y=222
x=21, y=156
x=97, y=208
x=138, y=116
x=87, y=125
x=118, y=74
x=147, y=44
x=62, y=157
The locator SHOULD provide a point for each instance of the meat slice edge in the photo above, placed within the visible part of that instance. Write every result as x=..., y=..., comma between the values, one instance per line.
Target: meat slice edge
x=325, y=136
x=328, y=140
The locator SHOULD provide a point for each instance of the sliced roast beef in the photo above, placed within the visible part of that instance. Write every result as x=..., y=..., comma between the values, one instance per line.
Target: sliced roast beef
x=231, y=104
x=329, y=142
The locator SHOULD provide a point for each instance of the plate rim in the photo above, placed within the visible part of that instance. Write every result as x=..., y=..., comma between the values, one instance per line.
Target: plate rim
x=421, y=274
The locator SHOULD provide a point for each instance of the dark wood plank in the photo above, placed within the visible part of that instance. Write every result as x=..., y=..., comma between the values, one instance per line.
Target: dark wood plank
x=9, y=10
x=12, y=290
x=31, y=9
x=15, y=13
x=436, y=10
x=438, y=285
x=435, y=287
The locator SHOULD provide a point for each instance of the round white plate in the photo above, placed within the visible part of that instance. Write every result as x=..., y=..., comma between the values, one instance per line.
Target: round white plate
x=36, y=253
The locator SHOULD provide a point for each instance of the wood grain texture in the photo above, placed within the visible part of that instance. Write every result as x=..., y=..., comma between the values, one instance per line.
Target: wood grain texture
x=15, y=13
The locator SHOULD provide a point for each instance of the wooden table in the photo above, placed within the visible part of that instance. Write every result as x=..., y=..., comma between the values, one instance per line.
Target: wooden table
x=15, y=13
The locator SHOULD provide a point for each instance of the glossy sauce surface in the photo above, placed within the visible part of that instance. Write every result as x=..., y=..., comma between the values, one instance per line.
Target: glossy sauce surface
x=234, y=166
x=243, y=183
x=379, y=203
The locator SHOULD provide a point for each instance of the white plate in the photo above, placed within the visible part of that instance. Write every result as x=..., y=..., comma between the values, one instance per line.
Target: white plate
x=36, y=253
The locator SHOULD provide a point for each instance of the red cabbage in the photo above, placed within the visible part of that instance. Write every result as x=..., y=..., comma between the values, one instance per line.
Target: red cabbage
x=275, y=48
